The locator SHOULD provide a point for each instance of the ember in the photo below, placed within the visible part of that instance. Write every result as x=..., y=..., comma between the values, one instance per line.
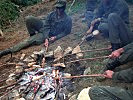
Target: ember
x=40, y=84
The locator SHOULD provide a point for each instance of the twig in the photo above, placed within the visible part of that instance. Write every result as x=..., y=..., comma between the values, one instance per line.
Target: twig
x=57, y=89
x=40, y=85
x=8, y=92
x=71, y=6
x=7, y=64
x=87, y=59
x=2, y=80
x=3, y=87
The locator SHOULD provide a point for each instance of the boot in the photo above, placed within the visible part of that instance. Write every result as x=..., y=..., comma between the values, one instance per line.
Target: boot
x=5, y=52
x=89, y=37
x=115, y=46
x=112, y=65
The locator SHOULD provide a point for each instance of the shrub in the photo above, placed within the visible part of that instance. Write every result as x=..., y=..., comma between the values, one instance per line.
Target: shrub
x=8, y=12
x=25, y=2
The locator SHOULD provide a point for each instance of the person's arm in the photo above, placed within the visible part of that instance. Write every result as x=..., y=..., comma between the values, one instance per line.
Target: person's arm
x=67, y=29
x=121, y=76
x=124, y=75
x=46, y=28
x=127, y=47
x=118, y=52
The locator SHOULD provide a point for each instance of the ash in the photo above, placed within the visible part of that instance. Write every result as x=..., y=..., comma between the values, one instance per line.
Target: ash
x=41, y=84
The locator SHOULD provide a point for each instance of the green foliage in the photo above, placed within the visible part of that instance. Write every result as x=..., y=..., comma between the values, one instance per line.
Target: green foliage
x=25, y=2
x=8, y=12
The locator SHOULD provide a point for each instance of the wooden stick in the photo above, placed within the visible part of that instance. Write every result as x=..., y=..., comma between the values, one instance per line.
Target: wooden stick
x=81, y=76
x=87, y=59
x=6, y=93
x=2, y=80
x=3, y=87
x=85, y=51
x=1, y=33
x=1, y=64
x=89, y=51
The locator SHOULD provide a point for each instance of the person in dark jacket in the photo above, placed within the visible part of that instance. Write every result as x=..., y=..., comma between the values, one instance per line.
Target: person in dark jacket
x=57, y=25
x=111, y=93
x=114, y=22
x=114, y=93
x=91, y=6
x=120, y=57
x=123, y=55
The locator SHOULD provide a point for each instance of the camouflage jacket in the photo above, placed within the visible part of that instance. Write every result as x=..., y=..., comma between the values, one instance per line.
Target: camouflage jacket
x=55, y=26
x=119, y=7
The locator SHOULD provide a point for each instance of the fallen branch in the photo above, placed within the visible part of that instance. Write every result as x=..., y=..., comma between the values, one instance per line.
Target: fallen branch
x=87, y=59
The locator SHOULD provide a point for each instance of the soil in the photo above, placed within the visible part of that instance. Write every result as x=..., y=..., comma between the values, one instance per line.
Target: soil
x=17, y=32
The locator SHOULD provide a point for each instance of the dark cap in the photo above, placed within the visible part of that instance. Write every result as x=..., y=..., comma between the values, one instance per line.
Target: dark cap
x=60, y=3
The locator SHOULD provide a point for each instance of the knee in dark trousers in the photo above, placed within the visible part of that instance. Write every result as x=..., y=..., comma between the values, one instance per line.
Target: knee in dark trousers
x=33, y=24
x=103, y=28
x=113, y=17
x=95, y=93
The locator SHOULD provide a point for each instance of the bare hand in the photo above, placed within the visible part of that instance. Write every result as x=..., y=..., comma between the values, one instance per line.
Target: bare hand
x=116, y=53
x=52, y=38
x=95, y=21
x=108, y=74
x=46, y=43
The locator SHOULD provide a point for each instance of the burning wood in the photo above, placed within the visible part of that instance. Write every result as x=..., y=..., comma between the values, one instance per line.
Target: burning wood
x=59, y=64
x=31, y=64
x=1, y=33
x=49, y=54
x=67, y=51
x=41, y=83
x=19, y=68
x=58, y=53
x=76, y=51
x=11, y=79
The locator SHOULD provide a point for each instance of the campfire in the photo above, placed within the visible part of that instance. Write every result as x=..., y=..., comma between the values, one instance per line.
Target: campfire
x=41, y=75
